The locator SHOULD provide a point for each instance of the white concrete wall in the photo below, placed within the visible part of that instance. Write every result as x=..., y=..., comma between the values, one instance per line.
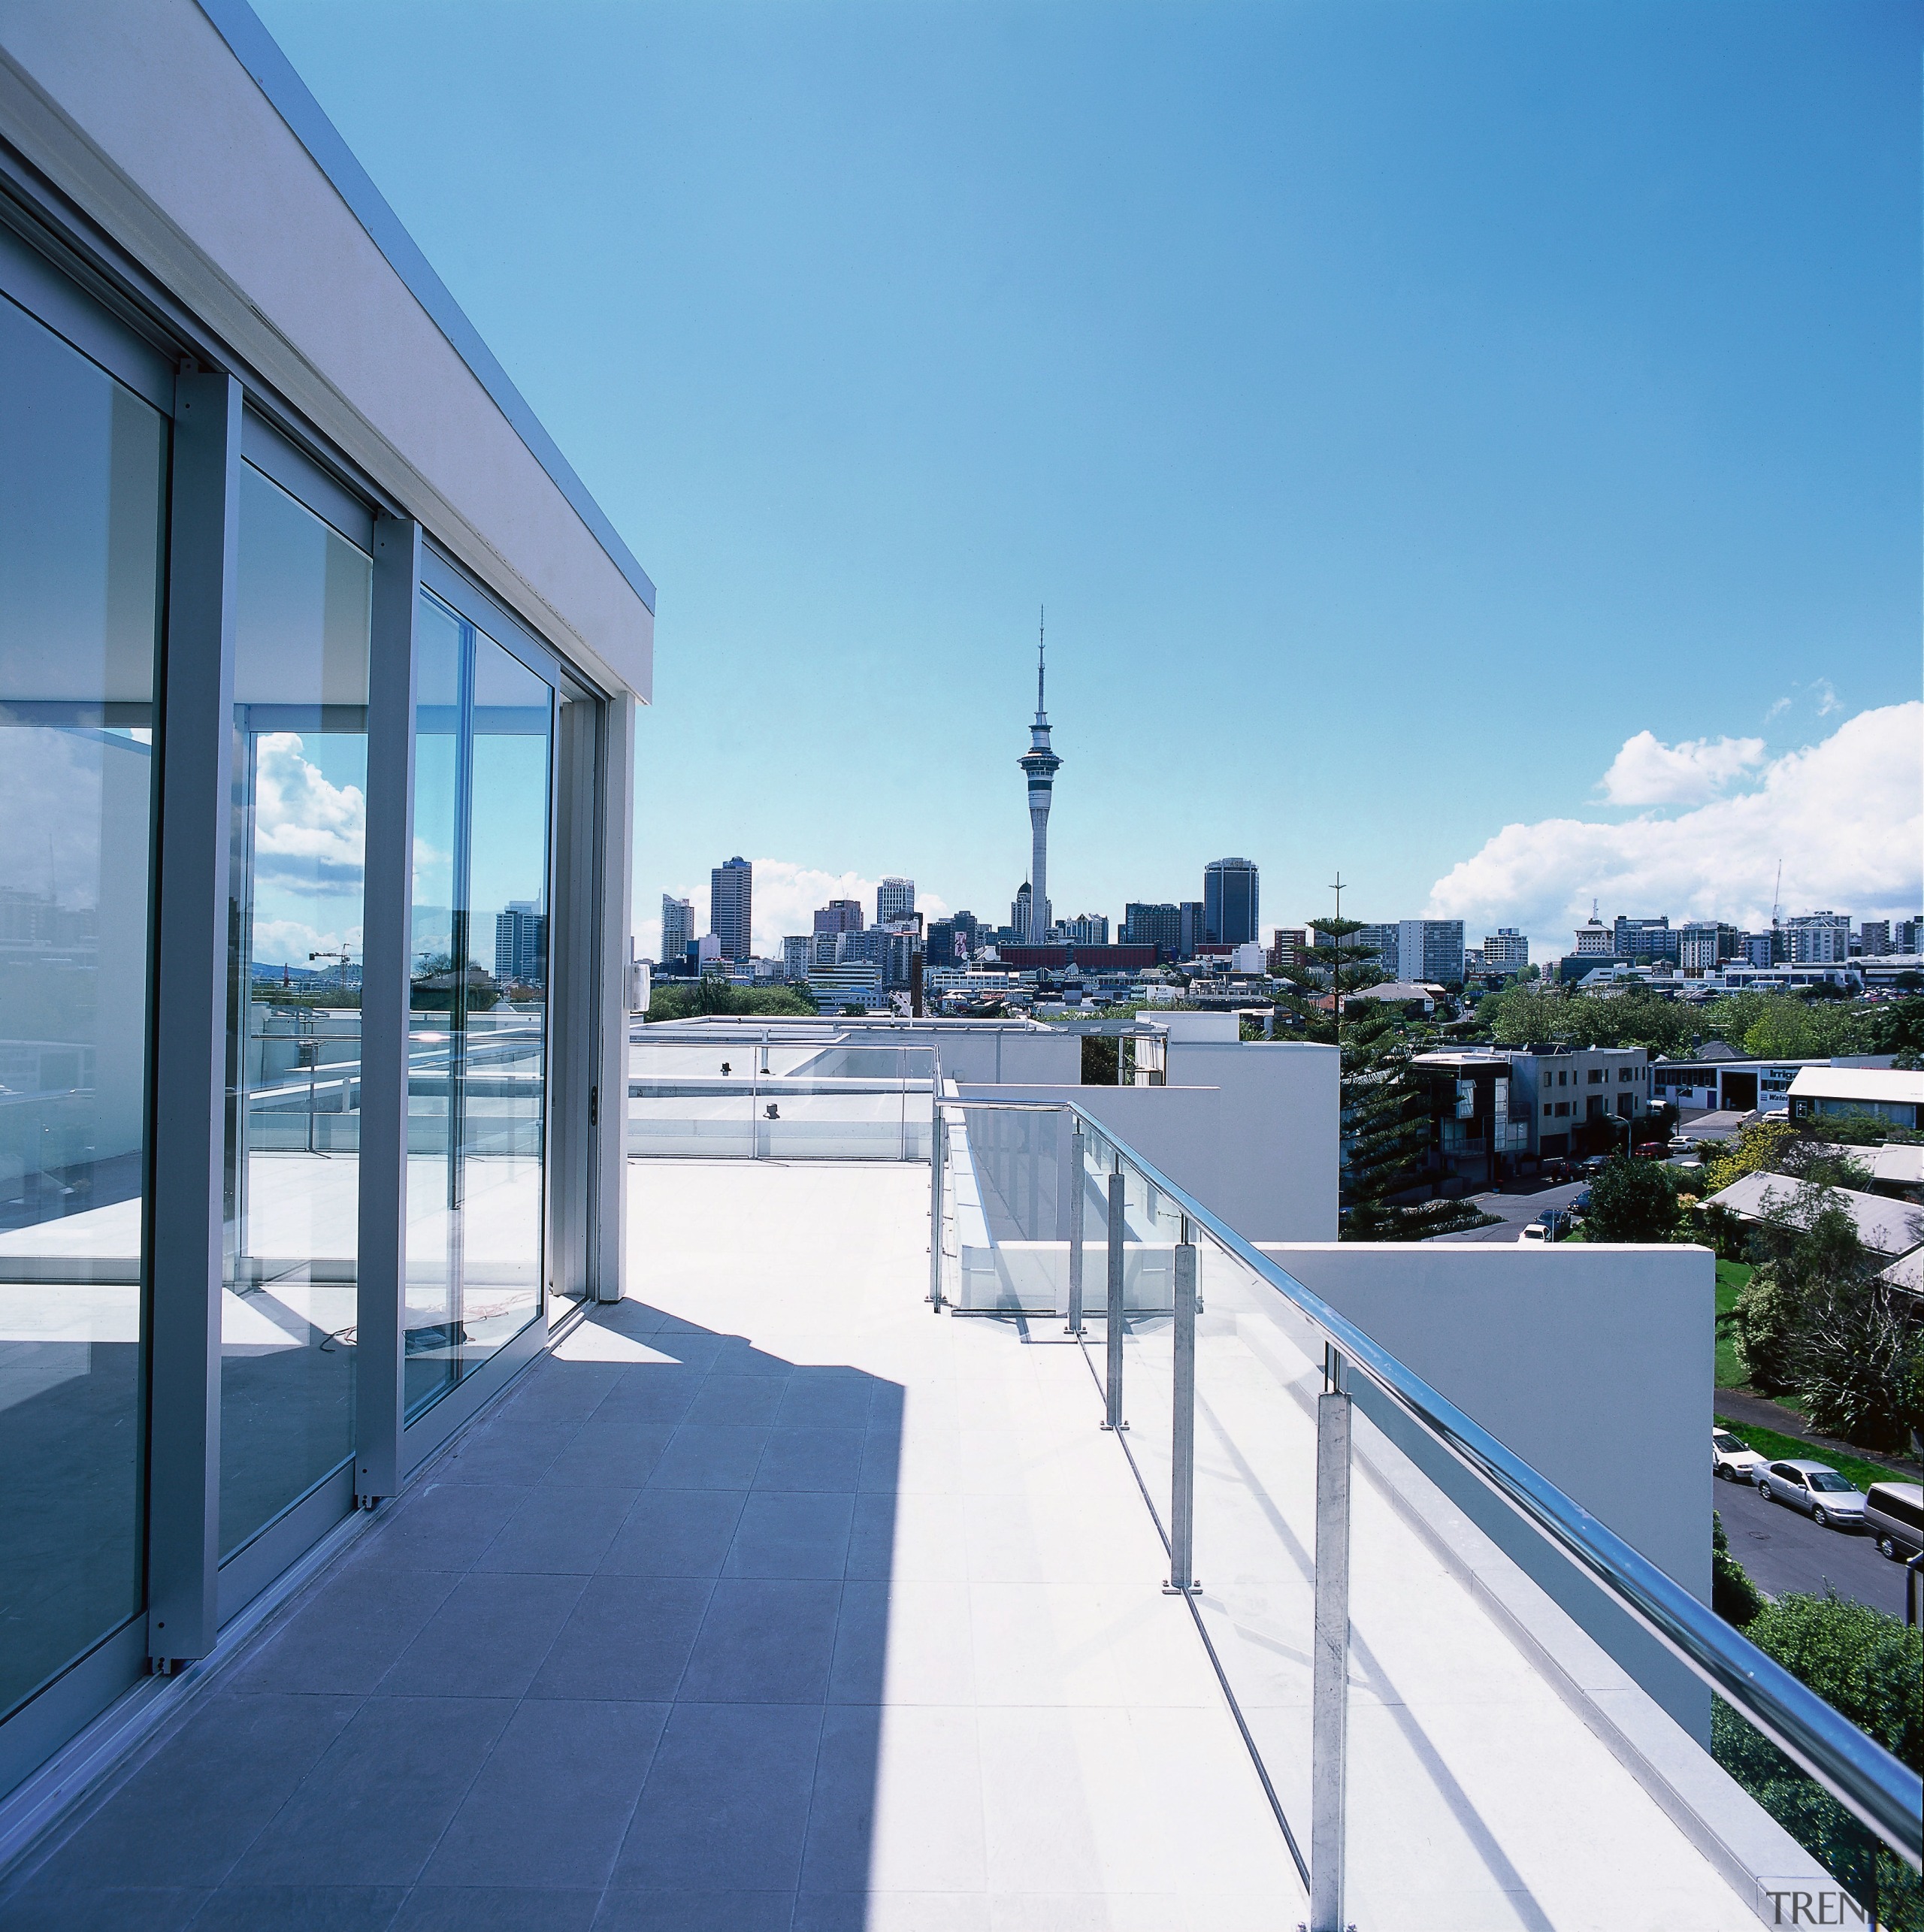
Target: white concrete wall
x=1257, y=1144
x=138, y=111
x=1595, y=1364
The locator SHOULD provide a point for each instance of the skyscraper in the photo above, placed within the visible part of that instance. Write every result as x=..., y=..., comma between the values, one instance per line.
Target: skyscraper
x=521, y=944
x=839, y=915
x=1230, y=902
x=677, y=929
x=1041, y=764
x=895, y=899
x=731, y=906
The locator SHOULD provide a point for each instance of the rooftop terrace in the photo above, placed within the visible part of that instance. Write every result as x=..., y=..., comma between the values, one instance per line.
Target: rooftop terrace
x=772, y=1598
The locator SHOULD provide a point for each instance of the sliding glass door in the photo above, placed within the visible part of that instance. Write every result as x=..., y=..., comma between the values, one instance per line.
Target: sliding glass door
x=479, y=1017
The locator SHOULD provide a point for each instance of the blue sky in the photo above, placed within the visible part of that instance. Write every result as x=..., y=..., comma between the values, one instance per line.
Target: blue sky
x=1400, y=408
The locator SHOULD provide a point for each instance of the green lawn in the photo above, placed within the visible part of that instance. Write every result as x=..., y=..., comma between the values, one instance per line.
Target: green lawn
x=1789, y=1448
x=1731, y=1276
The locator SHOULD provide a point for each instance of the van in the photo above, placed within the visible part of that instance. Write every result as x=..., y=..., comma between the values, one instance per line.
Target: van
x=1894, y=1514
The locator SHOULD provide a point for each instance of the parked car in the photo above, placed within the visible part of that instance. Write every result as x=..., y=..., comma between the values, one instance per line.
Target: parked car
x=1535, y=1231
x=1816, y=1489
x=1581, y=1204
x=1681, y=1144
x=1732, y=1458
x=1894, y=1514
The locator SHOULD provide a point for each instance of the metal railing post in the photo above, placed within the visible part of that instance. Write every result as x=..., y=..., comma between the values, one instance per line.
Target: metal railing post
x=1112, y=1379
x=1328, y=1748
x=1182, y=1429
x=1075, y=1150
x=937, y=1153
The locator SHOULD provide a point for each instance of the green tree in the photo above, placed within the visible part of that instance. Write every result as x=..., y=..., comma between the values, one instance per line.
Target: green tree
x=712, y=994
x=1384, y=1103
x=1870, y=1668
x=1783, y=1031
x=1757, y=1149
x=1733, y=1596
x=1631, y=1201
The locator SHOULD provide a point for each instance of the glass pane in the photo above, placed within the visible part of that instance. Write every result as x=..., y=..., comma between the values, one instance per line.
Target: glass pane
x=484, y=735
x=500, y=1141
x=434, y=1007
x=83, y=469
x=294, y=1030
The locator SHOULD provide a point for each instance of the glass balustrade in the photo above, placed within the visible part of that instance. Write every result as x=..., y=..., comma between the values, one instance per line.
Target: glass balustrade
x=1419, y=1670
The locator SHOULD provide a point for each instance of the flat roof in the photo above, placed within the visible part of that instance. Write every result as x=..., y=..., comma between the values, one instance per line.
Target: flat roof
x=1902, y=1085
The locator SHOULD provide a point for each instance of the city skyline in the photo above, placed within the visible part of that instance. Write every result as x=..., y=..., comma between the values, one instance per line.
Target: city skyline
x=1632, y=413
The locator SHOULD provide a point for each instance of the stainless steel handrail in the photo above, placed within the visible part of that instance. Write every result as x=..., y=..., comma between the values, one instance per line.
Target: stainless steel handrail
x=1883, y=1793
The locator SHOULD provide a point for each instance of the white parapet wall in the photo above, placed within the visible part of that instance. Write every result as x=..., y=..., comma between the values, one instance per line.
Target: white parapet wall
x=1594, y=1363
x=1250, y=1128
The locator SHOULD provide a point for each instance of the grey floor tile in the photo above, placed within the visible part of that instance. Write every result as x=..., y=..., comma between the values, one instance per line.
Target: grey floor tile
x=710, y=1455
x=317, y=1908
x=811, y=1458
x=872, y=1537
x=628, y=1637
x=487, y=1638
x=882, y=1460
x=842, y=1805
x=695, y=1912
x=614, y=1446
x=764, y=1641
x=738, y=1399
x=655, y=1393
x=561, y=1529
x=189, y=1814
x=725, y=1806
x=373, y=1808
x=443, y=1526
x=555, y=1388
x=552, y=1804
x=507, y=1451
x=676, y=1533
x=738, y=1356
x=792, y=1535
x=497, y=1908
x=348, y=1631
x=118, y=1909
x=861, y=1645
x=826, y=1398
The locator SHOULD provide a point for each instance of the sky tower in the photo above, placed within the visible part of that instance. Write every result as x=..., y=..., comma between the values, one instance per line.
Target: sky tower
x=1041, y=764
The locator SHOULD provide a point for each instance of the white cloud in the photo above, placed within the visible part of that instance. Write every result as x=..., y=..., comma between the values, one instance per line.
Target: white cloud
x=308, y=832
x=293, y=942
x=1828, y=700
x=786, y=895
x=1844, y=816
x=1648, y=772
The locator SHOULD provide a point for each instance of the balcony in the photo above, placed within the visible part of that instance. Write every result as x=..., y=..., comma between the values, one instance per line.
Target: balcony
x=809, y=1587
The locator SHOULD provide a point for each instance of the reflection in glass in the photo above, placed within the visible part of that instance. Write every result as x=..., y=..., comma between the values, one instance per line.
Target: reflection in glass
x=294, y=1043
x=83, y=468
x=478, y=1023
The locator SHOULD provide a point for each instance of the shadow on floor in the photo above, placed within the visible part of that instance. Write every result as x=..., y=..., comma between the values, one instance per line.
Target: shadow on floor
x=616, y=1660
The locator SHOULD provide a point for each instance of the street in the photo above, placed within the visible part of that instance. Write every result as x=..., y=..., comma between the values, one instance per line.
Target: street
x=1783, y=1549
x=1516, y=1211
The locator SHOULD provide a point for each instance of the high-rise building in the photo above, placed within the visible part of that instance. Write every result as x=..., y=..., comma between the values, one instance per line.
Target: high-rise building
x=1643, y=939
x=1704, y=945
x=1379, y=945
x=1023, y=916
x=1087, y=929
x=1231, y=902
x=521, y=944
x=1874, y=938
x=1289, y=947
x=1907, y=935
x=1191, y=930
x=839, y=915
x=895, y=899
x=798, y=955
x=1595, y=939
x=1152, y=924
x=677, y=929
x=1819, y=939
x=1429, y=950
x=1506, y=950
x=1760, y=949
x=1041, y=764
x=731, y=906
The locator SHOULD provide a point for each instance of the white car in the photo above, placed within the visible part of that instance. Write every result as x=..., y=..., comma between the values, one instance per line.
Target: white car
x=1535, y=1231
x=1816, y=1489
x=1735, y=1461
